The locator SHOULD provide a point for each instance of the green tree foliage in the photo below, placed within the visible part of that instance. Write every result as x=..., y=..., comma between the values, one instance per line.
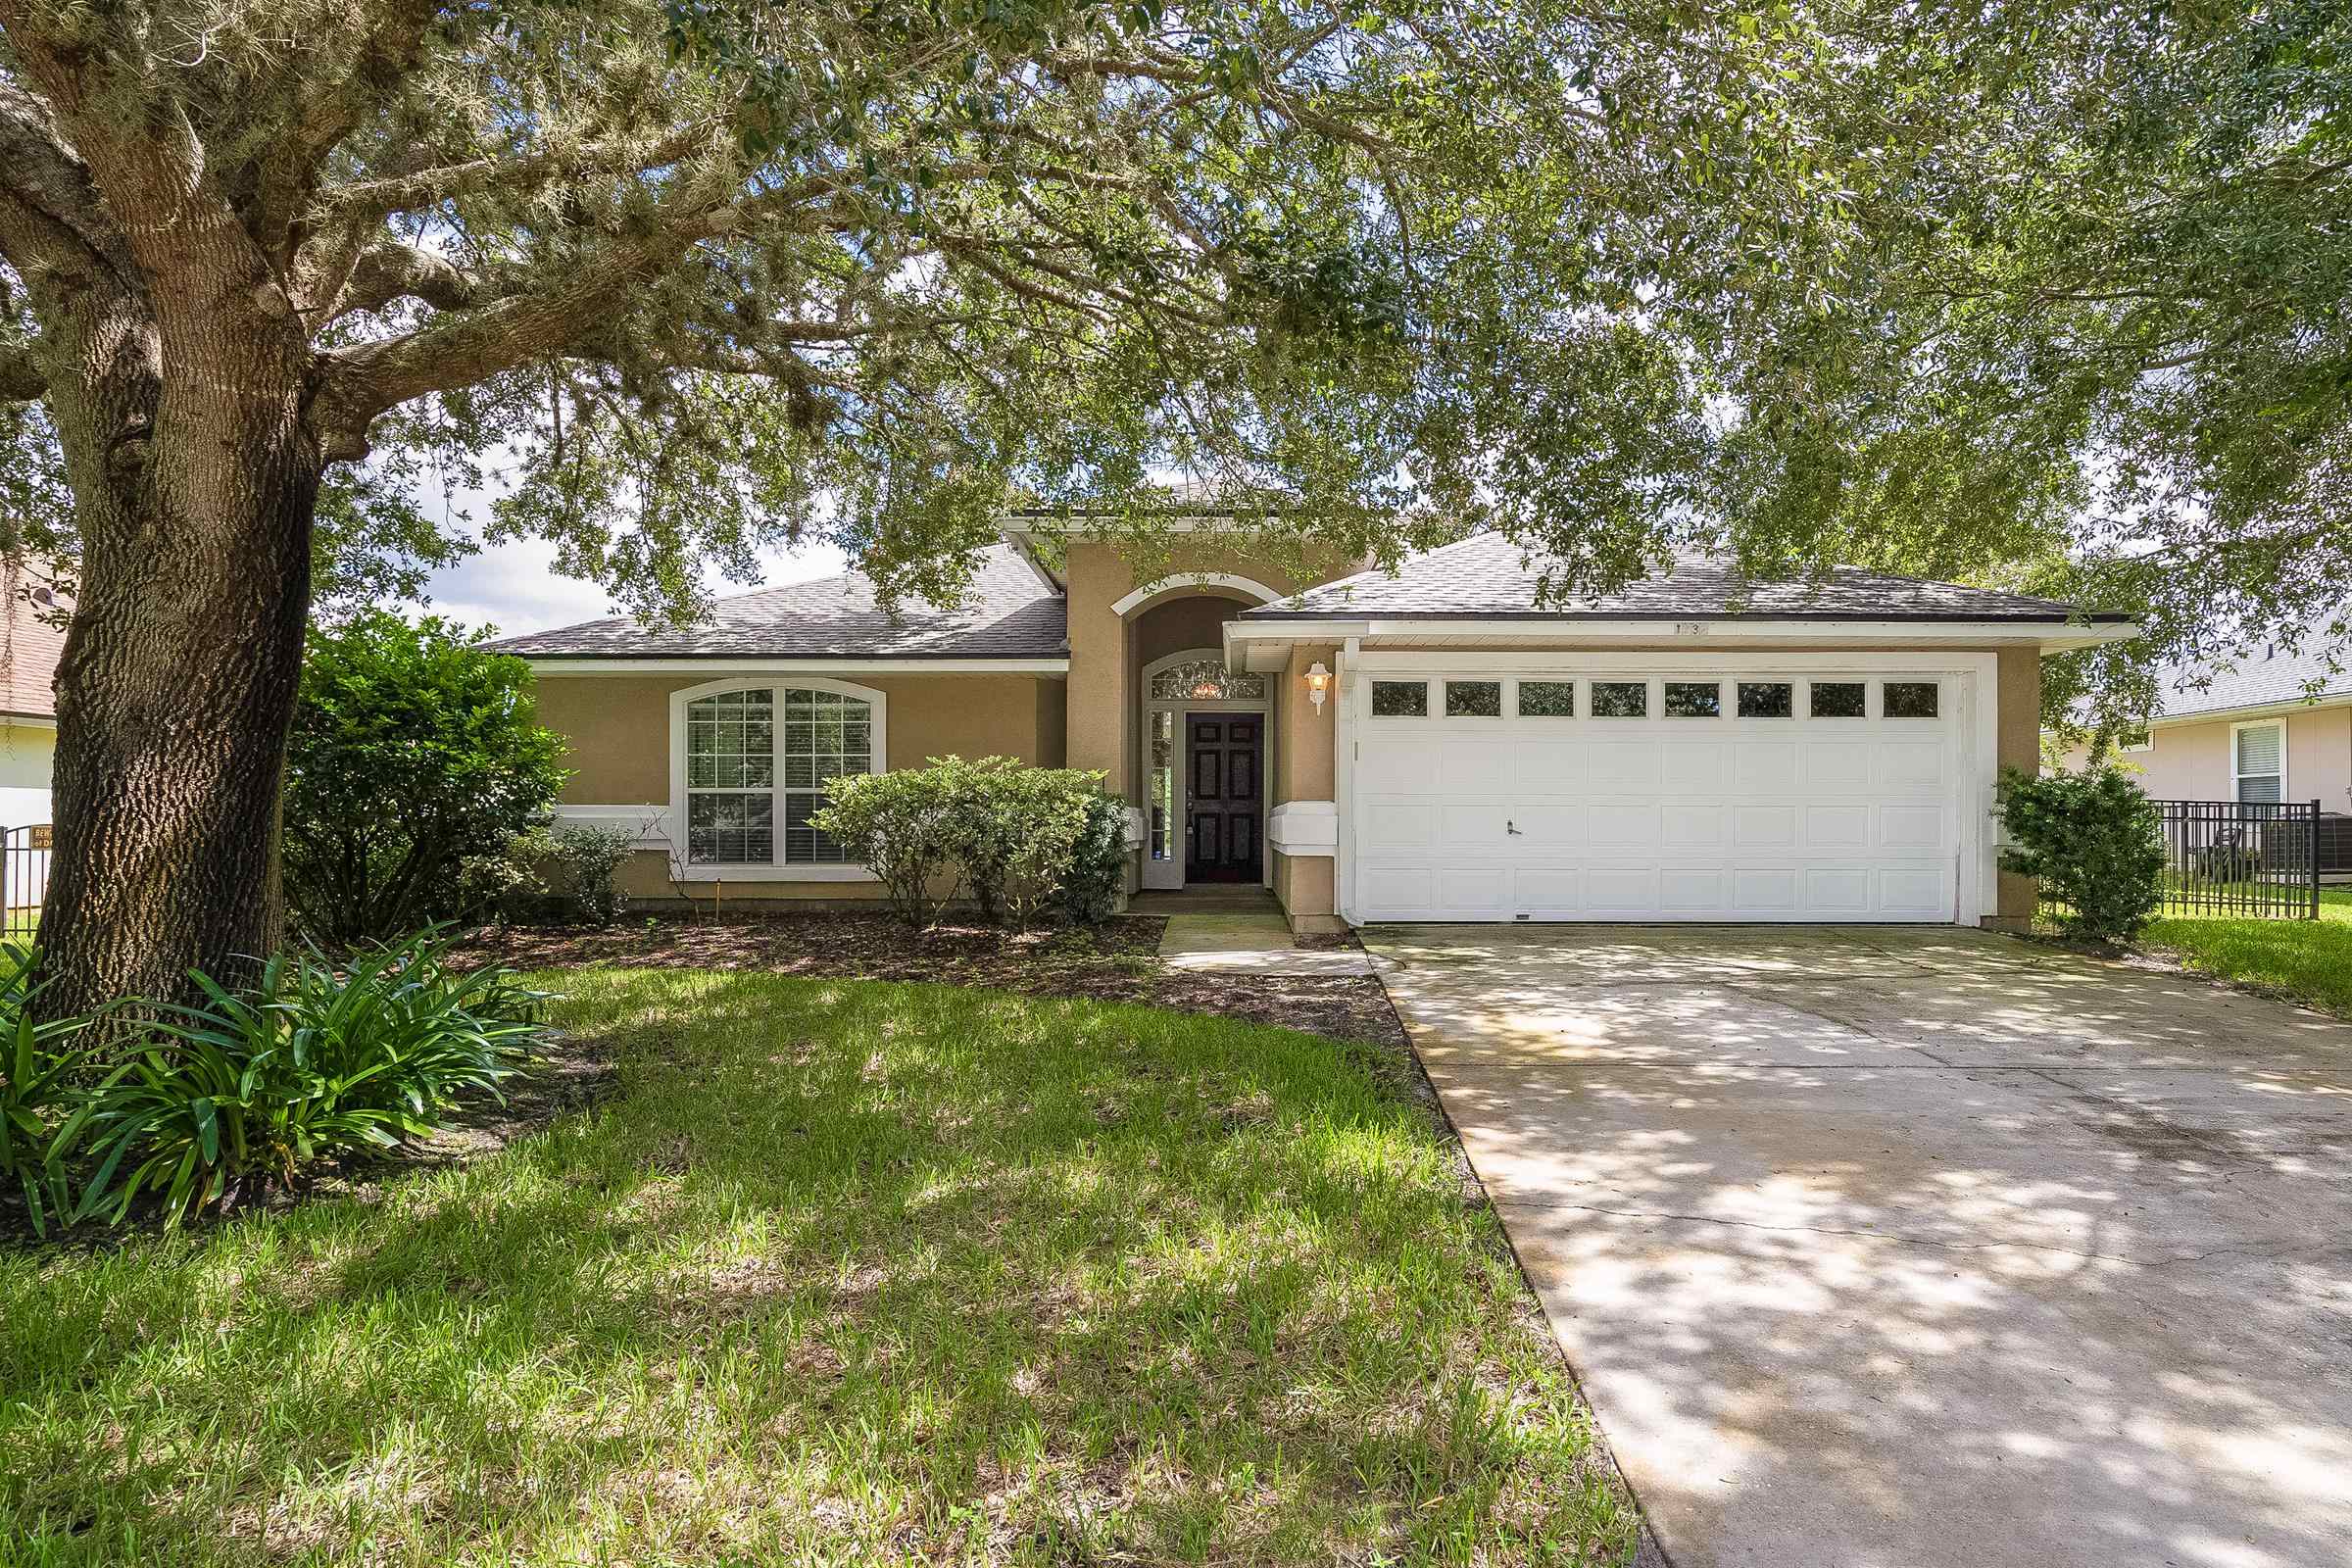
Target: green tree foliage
x=2073, y=314
x=414, y=751
x=2096, y=843
x=2050, y=291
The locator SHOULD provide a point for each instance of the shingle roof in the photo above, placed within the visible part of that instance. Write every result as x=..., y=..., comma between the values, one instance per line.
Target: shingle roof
x=1490, y=575
x=2259, y=680
x=1008, y=613
x=30, y=645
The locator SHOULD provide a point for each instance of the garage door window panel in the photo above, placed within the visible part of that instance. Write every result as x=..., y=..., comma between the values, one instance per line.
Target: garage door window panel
x=1693, y=699
x=1547, y=699
x=1620, y=699
x=1400, y=699
x=1908, y=699
x=1473, y=698
x=1767, y=699
x=1838, y=699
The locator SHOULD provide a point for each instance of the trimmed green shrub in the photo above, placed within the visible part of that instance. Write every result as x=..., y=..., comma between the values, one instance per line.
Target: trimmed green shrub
x=587, y=865
x=900, y=826
x=1008, y=835
x=509, y=882
x=413, y=752
x=314, y=1063
x=2095, y=842
x=1098, y=866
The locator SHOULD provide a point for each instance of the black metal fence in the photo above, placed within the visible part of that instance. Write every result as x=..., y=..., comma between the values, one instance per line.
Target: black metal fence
x=2245, y=858
x=24, y=877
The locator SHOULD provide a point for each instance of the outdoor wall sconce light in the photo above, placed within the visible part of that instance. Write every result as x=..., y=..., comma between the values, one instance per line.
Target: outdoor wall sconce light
x=1318, y=684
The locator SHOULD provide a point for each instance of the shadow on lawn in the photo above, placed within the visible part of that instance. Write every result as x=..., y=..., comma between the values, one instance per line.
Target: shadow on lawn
x=844, y=1271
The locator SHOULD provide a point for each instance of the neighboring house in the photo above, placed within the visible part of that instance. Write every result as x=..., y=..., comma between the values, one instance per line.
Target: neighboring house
x=29, y=646
x=1424, y=746
x=2277, y=727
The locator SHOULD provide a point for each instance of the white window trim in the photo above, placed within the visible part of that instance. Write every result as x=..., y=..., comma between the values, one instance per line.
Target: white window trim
x=880, y=762
x=1968, y=701
x=2236, y=777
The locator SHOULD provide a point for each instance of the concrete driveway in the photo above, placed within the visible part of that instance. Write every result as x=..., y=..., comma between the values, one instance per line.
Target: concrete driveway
x=1905, y=1247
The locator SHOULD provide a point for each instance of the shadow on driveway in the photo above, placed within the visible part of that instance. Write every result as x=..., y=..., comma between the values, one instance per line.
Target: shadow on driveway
x=1914, y=1247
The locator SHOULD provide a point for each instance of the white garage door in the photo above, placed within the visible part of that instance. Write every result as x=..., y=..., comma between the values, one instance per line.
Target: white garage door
x=1574, y=795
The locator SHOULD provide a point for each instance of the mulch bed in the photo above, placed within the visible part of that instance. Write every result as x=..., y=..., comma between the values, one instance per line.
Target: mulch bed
x=1120, y=963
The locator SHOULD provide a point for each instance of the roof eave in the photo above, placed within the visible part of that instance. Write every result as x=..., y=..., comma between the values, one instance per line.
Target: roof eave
x=2272, y=710
x=1286, y=627
x=795, y=664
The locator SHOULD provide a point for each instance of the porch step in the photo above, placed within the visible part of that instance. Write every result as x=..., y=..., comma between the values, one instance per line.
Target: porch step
x=1249, y=944
x=1204, y=897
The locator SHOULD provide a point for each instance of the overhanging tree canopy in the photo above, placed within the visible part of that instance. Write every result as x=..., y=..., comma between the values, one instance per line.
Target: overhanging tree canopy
x=711, y=273
x=1818, y=280
x=2079, y=315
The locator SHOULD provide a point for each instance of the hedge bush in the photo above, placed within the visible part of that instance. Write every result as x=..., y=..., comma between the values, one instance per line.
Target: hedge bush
x=413, y=749
x=2095, y=842
x=1015, y=840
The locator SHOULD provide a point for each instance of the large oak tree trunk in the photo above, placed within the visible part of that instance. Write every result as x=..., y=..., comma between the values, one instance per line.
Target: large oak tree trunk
x=195, y=486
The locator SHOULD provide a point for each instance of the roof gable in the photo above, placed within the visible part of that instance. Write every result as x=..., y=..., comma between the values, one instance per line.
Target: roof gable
x=1009, y=612
x=1488, y=576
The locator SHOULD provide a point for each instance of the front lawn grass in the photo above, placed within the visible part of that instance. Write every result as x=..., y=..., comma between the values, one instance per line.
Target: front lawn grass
x=2310, y=960
x=841, y=1273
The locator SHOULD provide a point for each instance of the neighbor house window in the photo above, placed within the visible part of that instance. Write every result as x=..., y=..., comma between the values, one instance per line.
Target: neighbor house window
x=1474, y=698
x=1908, y=699
x=1400, y=699
x=758, y=762
x=1694, y=699
x=1547, y=699
x=1836, y=699
x=2258, y=760
x=1620, y=699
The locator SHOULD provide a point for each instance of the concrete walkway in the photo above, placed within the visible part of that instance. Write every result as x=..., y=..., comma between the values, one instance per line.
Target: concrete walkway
x=1904, y=1248
x=1249, y=944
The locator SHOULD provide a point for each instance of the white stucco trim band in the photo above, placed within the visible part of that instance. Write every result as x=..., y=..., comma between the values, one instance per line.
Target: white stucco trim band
x=1304, y=828
x=1128, y=603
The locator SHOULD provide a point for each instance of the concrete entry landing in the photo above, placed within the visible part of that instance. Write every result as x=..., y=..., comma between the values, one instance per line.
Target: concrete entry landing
x=1898, y=1247
x=1250, y=944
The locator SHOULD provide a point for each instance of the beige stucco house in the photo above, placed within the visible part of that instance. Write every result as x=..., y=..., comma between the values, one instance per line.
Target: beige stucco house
x=2276, y=726
x=1430, y=745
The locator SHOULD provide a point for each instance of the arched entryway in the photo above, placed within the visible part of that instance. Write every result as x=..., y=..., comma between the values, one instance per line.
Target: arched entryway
x=1203, y=741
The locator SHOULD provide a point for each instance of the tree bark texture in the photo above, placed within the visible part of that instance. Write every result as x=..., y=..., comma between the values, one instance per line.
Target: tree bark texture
x=195, y=480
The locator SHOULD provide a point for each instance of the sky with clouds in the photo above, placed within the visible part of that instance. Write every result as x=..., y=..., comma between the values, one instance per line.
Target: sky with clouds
x=514, y=586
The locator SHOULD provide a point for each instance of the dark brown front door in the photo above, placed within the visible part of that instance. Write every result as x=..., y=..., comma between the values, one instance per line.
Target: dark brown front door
x=1226, y=797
